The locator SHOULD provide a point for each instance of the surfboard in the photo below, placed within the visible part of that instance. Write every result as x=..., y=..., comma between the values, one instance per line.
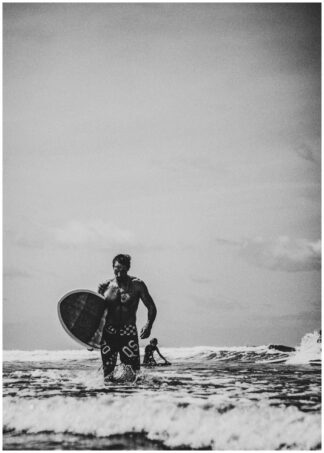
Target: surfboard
x=82, y=314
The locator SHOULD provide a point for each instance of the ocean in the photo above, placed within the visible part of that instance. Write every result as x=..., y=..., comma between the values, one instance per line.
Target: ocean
x=210, y=398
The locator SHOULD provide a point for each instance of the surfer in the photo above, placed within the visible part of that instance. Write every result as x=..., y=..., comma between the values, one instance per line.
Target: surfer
x=149, y=351
x=122, y=294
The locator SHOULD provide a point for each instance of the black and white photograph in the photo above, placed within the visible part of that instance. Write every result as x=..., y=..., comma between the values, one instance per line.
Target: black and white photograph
x=161, y=226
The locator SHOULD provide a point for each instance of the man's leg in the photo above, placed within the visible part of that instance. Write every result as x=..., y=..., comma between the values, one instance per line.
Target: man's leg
x=109, y=350
x=129, y=350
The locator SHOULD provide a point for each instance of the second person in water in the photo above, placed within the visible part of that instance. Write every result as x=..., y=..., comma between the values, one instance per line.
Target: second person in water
x=149, y=351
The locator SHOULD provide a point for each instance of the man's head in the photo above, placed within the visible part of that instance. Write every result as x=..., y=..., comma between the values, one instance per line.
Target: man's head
x=121, y=265
x=154, y=342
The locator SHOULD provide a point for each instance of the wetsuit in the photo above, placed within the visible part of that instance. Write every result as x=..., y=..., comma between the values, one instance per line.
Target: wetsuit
x=148, y=357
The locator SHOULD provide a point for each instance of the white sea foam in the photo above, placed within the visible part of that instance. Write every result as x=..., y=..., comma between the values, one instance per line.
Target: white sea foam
x=176, y=354
x=310, y=349
x=43, y=355
x=205, y=352
x=198, y=402
x=254, y=427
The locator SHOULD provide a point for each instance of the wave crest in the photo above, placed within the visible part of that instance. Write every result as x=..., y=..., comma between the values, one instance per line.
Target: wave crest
x=196, y=425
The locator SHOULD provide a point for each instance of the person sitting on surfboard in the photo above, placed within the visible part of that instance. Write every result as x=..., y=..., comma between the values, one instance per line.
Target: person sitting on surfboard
x=149, y=351
x=122, y=295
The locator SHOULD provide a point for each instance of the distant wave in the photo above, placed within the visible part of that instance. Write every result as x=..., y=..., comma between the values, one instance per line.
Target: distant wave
x=309, y=349
x=194, y=354
x=43, y=355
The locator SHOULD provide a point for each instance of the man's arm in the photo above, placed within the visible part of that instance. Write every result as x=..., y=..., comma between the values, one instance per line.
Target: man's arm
x=151, y=310
x=158, y=351
x=102, y=288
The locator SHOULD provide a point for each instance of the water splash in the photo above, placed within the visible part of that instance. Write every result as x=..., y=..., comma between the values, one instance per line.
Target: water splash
x=310, y=349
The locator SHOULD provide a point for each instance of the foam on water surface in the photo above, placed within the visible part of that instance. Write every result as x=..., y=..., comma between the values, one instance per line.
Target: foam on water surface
x=219, y=398
x=309, y=349
x=196, y=424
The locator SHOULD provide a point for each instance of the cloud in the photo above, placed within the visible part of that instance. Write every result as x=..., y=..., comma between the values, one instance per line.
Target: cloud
x=283, y=254
x=304, y=318
x=94, y=233
x=222, y=241
x=217, y=301
x=310, y=151
x=12, y=273
x=304, y=315
x=201, y=280
x=32, y=236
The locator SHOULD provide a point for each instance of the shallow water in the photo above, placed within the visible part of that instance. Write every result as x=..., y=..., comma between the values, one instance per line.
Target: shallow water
x=210, y=398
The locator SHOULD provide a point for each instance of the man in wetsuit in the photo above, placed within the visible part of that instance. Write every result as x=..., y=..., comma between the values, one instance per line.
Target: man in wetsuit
x=149, y=351
x=122, y=294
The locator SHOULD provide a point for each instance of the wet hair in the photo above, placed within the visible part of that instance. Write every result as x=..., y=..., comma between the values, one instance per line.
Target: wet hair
x=154, y=340
x=125, y=260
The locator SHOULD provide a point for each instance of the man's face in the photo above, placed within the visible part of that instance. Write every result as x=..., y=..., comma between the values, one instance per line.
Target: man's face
x=120, y=270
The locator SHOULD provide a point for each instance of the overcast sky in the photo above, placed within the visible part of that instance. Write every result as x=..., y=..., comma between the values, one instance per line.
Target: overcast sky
x=187, y=135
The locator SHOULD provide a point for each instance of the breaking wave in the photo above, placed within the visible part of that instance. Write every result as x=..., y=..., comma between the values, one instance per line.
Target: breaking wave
x=309, y=349
x=196, y=425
